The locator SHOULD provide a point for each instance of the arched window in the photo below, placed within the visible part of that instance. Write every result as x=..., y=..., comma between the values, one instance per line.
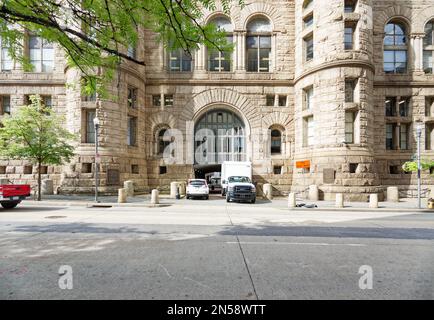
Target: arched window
x=395, y=48
x=428, y=47
x=219, y=61
x=276, y=141
x=162, y=144
x=258, y=45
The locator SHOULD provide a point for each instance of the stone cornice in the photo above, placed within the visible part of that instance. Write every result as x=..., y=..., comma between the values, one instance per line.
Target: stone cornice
x=32, y=82
x=226, y=82
x=336, y=64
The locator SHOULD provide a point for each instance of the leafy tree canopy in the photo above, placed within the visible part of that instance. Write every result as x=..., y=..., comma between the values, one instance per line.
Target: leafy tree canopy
x=96, y=33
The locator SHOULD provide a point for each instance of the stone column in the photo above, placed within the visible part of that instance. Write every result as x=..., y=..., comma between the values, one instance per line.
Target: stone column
x=242, y=48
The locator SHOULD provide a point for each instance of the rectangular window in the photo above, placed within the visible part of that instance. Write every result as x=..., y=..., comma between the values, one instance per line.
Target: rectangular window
x=47, y=101
x=270, y=100
x=6, y=104
x=390, y=106
x=132, y=97
x=309, y=131
x=132, y=131
x=350, y=118
x=168, y=100
x=350, y=6
x=219, y=61
x=429, y=106
x=390, y=133
x=349, y=36
x=134, y=169
x=308, y=48
x=308, y=21
x=395, y=61
x=277, y=169
x=163, y=169
x=156, y=100
x=404, y=107
x=308, y=98
x=403, y=136
x=282, y=101
x=86, y=167
x=41, y=54
x=90, y=127
x=132, y=53
x=350, y=88
x=180, y=61
x=429, y=136
x=428, y=61
x=6, y=60
x=258, y=53
x=394, y=170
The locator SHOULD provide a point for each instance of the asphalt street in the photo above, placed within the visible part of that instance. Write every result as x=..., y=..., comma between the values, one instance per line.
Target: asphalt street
x=227, y=251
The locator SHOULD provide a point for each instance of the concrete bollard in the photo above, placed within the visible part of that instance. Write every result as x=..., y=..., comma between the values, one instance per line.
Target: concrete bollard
x=339, y=200
x=129, y=187
x=313, y=193
x=373, y=200
x=392, y=194
x=155, y=199
x=47, y=187
x=173, y=189
x=182, y=188
x=122, y=195
x=268, y=191
x=292, y=200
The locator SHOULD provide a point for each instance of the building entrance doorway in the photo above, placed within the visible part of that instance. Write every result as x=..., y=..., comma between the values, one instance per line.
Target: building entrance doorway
x=219, y=136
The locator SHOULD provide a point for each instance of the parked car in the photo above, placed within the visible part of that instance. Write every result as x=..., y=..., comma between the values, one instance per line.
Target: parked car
x=240, y=188
x=197, y=188
x=215, y=184
x=12, y=194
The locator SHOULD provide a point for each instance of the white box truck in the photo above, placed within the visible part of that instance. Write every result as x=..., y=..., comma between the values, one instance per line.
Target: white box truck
x=237, y=181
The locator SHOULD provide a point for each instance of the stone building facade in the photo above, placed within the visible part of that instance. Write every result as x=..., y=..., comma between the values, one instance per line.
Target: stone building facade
x=314, y=92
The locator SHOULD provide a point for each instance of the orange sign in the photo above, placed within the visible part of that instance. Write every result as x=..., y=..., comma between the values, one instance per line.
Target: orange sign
x=302, y=164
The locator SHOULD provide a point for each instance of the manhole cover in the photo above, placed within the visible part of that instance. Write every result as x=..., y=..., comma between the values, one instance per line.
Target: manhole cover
x=55, y=217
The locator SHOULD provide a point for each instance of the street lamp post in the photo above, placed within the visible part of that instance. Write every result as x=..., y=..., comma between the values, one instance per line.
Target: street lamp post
x=419, y=127
x=96, y=125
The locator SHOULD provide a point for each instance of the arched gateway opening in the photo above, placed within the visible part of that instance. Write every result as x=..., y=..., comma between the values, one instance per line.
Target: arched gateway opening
x=219, y=136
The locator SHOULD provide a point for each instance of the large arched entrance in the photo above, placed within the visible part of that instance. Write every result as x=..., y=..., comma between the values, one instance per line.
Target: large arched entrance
x=220, y=136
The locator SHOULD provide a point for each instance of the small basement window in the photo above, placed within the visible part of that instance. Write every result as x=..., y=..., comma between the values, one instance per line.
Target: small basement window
x=163, y=169
x=353, y=167
x=28, y=169
x=134, y=169
x=277, y=169
x=2, y=169
x=394, y=170
x=86, y=168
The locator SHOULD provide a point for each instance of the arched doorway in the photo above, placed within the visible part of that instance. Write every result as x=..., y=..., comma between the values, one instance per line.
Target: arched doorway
x=220, y=136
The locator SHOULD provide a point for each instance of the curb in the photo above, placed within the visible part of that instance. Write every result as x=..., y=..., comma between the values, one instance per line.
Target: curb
x=87, y=204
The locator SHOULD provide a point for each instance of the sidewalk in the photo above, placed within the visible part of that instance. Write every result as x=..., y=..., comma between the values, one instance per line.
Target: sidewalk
x=216, y=200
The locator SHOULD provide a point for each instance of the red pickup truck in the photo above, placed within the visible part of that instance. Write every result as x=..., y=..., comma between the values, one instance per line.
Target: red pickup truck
x=12, y=194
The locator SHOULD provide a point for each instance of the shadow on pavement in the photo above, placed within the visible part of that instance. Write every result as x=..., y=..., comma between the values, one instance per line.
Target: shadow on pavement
x=332, y=232
x=32, y=208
